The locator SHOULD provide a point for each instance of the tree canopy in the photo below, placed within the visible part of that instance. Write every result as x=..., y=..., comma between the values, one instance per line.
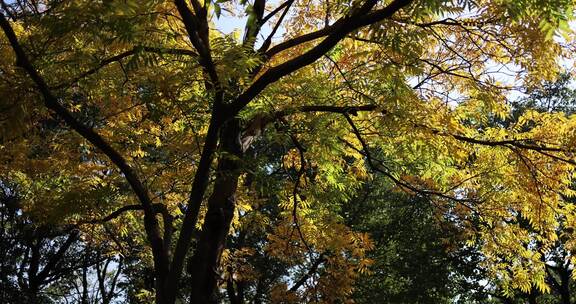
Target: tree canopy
x=265, y=164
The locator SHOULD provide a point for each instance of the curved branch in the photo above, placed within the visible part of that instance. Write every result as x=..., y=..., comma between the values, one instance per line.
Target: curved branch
x=52, y=103
x=366, y=152
x=351, y=23
x=268, y=40
x=336, y=33
x=321, y=259
x=518, y=143
x=276, y=10
x=526, y=144
x=118, y=212
x=353, y=110
x=57, y=257
x=118, y=58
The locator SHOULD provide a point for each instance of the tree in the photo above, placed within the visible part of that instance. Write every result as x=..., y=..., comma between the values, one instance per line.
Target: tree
x=39, y=260
x=419, y=255
x=556, y=95
x=146, y=96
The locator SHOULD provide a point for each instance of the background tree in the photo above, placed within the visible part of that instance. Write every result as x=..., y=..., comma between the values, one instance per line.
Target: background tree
x=555, y=95
x=419, y=255
x=47, y=263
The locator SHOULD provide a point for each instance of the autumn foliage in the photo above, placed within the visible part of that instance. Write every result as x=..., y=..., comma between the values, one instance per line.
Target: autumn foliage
x=234, y=167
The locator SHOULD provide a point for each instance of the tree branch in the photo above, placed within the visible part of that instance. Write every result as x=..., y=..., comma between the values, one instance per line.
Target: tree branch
x=194, y=203
x=352, y=23
x=276, y=10
x=118, y=212
x=352, y=110
x=336, y=33
x=321, y=259
x=254, y=22
x=119, y=57
x=366, y=152
x=52, y=103
x=268, y=40
x=57, y=257
x=198, y=34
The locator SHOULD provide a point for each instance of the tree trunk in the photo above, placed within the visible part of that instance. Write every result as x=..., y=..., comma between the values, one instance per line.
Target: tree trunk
x=532, y=297
x=565, y=285
x=203, y=266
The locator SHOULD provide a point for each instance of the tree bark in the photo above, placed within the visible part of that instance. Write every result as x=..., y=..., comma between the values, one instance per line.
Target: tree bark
x=532, y=297
x=203, y=266
x=565, y=285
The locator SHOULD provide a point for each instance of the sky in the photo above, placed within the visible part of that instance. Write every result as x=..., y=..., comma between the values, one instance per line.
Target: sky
x=227, y=24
